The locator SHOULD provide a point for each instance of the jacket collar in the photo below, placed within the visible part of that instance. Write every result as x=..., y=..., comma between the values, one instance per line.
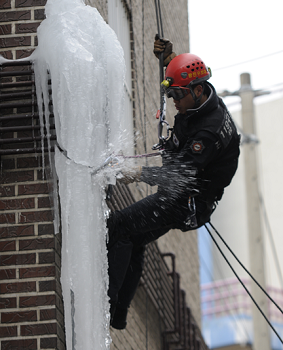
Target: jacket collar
x=210, y=104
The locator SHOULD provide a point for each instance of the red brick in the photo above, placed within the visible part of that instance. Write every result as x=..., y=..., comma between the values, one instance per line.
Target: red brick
x=47, y=286
x=49, y=314
x=36, y=216
x=15, y=41
x=16, y=176
x=19, y=287
x=7, y=219
x=7, y=54
x=16, y=231
x=12, y=204
x=23, y=53
x=18, y=259
x=44, y=202
x=27, y=27
x=46, y=258
x=5, y=4
x=8, y=303
x=32, y=272
x=29, y=162
x=6, y=246
x=15, y=317
x=47, y=229
x=7, y=191
x=38, y=243
x=6, y=274
x=5, y=29
x=48, y=343
x=8, y=163
x=8, y=332
x=40, y=300
x=21, y=344
x=39, y=14
x=39, y=329
x=9, y=16
x=30, y=3
x=33, y=189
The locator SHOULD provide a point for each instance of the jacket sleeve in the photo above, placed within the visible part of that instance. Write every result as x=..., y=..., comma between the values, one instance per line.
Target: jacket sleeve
x=196, y=154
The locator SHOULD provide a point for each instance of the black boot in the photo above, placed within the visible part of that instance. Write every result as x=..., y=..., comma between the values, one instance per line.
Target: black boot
x=119, y=318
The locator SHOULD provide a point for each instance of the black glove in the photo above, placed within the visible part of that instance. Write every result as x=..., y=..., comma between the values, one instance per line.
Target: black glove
x=164, y=46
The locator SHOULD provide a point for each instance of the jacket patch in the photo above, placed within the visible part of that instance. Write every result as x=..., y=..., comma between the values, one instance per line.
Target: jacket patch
x=197, y=146
x=175, y=140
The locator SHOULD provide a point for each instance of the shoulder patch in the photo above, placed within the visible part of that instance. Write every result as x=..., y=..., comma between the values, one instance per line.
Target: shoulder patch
x=197, y=146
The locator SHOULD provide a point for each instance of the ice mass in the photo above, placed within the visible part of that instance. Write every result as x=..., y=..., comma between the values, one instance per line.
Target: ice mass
x=84, y=59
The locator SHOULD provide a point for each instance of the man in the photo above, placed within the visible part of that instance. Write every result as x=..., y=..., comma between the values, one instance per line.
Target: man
x=199, y=160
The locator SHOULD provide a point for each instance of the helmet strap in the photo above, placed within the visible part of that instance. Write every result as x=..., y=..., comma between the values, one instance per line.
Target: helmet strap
x=195, y=98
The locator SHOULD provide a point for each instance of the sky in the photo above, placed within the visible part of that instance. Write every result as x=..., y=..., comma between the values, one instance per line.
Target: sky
x=225, y=33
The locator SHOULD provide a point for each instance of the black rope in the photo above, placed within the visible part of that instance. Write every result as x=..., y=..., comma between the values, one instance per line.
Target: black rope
x=240, y=279
x=161, y=78
x=158, y=18
x=143, y=82
x=230, y=250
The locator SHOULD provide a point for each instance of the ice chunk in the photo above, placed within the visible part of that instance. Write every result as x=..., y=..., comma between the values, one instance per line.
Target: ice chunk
x=86, y=65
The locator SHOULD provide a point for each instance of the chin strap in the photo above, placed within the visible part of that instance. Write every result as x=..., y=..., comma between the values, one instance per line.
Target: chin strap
x=196, y=99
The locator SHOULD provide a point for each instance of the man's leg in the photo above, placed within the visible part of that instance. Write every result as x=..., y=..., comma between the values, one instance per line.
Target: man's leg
x=128, y=288
x=137, y=225
x=119, y=256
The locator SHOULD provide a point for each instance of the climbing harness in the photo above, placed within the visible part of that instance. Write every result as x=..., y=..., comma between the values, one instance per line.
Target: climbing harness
x=241, y=280
x=161, y=113
x=191, y=220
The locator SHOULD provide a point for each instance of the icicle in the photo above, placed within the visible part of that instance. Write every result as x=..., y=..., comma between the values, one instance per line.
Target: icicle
x=86, y=65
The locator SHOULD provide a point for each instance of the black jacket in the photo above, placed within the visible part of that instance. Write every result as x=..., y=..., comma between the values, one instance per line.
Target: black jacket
x=205, y=139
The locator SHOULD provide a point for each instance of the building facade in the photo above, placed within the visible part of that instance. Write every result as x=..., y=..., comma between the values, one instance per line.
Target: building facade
x=31, y=304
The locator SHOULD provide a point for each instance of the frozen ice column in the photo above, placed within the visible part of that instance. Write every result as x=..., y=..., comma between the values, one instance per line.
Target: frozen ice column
x=86, y=65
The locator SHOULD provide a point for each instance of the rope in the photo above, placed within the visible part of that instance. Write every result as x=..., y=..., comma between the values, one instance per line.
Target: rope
x=143, y=81
x=158, y=18
x=246, y=269
x=241, y=280
x=204, y=265
x=161, y=76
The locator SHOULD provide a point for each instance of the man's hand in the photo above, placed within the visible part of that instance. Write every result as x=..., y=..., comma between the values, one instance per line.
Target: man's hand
x=163, y=46
x=130, y=175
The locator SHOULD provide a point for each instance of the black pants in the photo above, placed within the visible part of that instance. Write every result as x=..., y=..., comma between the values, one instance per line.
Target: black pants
x=129, y=231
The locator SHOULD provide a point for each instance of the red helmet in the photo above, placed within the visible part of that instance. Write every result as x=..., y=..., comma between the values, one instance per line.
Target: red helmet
x=186, y=69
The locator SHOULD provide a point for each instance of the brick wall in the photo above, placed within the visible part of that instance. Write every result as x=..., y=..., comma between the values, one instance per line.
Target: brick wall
x=19, y=20
x=30, y=301
x=31, y=309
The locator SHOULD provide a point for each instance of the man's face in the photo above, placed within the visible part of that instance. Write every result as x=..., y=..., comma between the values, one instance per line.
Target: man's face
x=187, y=102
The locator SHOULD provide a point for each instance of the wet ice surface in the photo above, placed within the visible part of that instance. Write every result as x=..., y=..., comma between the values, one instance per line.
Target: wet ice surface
x=86, y=66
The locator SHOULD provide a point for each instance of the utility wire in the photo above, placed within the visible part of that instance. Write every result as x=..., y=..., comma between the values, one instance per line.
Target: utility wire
x=251, y=60
x=241, y=280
